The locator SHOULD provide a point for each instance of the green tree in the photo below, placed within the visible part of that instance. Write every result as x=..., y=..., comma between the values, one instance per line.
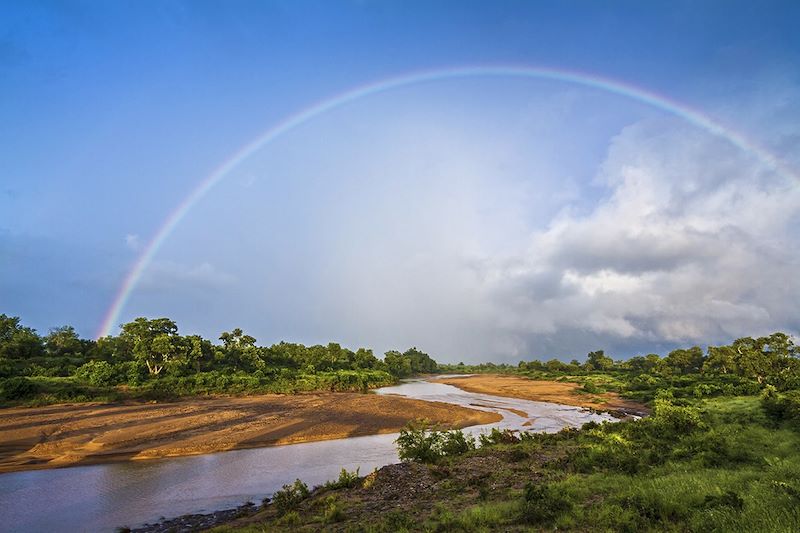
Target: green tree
x=17, y=341
x=720, y=359
x=599, y=360
x=154, y=341
x=685, y=361
x=64, y=342
x=397, y=365
x=239, y=350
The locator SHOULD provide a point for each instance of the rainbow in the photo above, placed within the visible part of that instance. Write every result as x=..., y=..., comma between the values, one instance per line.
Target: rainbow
x=663, y=103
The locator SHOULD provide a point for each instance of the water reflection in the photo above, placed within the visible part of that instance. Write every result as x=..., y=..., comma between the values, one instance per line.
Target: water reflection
x=102, y=497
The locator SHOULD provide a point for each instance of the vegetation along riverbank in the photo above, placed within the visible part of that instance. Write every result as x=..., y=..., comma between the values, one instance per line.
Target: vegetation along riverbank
x=719, y=452
x=150, y=360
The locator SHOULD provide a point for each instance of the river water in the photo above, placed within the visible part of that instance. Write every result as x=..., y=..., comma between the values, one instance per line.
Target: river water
x=103, y=497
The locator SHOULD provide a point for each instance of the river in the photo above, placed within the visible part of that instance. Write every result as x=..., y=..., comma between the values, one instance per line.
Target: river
x=103, y=497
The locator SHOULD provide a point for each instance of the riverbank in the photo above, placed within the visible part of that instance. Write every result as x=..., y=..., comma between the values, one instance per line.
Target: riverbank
x=631, y=476
x=80, y=434
x=561, y=392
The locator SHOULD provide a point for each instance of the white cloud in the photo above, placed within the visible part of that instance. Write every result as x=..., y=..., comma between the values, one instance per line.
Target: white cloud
x=694, y=243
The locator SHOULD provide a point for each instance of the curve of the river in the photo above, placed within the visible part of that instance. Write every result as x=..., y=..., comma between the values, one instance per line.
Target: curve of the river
x=103, y=497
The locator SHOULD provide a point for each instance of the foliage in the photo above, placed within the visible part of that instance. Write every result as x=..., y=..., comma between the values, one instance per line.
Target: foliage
x=498, y=436
x=333, y=511
x=345, y=480
x=696, y=463
x=17, y=388
x=782, y=407
x=98, y=373
x=420, y=443
x=542, y=503
x=289, y=497
x=149, y=359
x=410, y=362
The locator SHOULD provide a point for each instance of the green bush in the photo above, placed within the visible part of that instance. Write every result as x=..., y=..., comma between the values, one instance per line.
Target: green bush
x=289, y=497
x=542, y=504
x=346, y=480
x=97, y=373
x=670, y=420
x=418, y=443
x=498, y=436
x=781, y=407
x=17, y=388
x=591, y=388
x=456, y=442
x=333, y=511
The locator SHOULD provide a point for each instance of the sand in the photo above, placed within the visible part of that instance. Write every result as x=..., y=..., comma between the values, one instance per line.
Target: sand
x=543, y=391
x=80, y=434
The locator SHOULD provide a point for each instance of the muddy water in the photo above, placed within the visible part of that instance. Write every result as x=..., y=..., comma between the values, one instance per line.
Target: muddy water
x=103, y=497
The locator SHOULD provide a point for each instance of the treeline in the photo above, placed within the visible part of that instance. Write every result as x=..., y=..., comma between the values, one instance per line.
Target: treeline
x=150, y=359
x=745, y=366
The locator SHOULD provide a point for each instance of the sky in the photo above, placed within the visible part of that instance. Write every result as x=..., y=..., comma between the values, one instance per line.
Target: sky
x=481, y=217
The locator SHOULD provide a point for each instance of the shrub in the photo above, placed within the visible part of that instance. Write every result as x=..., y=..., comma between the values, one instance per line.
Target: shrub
x=417, y=442
x=290, y=519
x=591, y=388
x=97, y=373
x=781, y=407
x=333, y=511
x=398, y=521
x=542, y=503
x=346, y=480
x=499, y=436
x=670, y=420
x=455, y=442
x=290, y=496
x=18, y=388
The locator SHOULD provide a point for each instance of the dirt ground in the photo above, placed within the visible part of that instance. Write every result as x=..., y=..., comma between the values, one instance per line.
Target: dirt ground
x=78, y=434
x=543, y=391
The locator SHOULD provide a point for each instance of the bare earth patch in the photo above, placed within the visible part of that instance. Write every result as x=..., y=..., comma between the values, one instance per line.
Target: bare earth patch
x=79, y=434
x=542, y=391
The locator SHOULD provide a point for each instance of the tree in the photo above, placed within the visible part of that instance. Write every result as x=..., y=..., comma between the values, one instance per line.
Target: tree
x=239, y=350
x=17, y=341
x=686, y=361
x=64, y=342
x=420, y=361
x=599, y=360
x=644, y=364
x=237, y=339
x=720, y=359
x=397, y=365
x=155, y=341
x=365, y=359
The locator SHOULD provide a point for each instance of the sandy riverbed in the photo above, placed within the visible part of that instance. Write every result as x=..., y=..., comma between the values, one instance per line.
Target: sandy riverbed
x=78, y=434
x=542, y=391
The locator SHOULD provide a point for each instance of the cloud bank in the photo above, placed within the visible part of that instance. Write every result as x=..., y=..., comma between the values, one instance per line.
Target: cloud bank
x=478, y=242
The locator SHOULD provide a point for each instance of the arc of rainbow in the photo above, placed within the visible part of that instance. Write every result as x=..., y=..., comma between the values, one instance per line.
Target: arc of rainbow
x=589, y=80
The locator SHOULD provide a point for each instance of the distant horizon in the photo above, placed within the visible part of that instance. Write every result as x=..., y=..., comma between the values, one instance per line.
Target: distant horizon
x=451, y=360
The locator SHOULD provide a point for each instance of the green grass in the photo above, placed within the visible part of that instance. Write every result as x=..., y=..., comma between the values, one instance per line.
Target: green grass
x=686, y=494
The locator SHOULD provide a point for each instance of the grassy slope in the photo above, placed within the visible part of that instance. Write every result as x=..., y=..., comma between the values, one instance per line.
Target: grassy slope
x=729, y=470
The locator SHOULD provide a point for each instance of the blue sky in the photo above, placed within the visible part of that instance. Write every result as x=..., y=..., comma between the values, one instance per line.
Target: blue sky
x=481, y=218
